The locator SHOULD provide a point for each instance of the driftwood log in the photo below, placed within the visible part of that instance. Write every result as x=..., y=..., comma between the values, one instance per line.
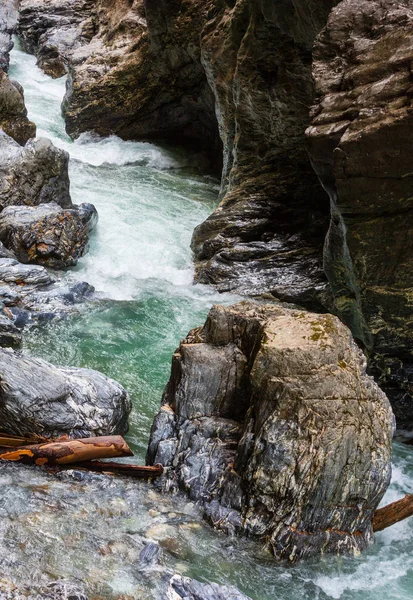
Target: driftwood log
x=393, y=513
x=114, y=468
x=65, y=452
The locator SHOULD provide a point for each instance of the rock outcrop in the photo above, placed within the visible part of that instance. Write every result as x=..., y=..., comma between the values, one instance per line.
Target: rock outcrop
x=37, y=397
x=53, y=29
x=360, y=147
x=270, y=422
x=47, y=234
x=8, y=21
x=13, y=112
x=33, y=175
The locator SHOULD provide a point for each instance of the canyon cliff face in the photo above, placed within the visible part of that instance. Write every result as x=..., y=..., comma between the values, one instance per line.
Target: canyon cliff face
x=270, y=422
x=360, y=141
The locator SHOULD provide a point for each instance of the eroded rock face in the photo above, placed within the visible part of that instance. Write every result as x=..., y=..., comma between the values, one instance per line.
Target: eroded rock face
x=8, y=22
x=271, y=423
x=33, y=175
x=360, y=140
x=13, y=112
x=53, y=29
x=47, y=234
x=37, y=397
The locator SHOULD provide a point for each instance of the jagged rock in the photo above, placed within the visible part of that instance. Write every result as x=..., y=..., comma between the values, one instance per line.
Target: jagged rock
x=30, y=294
x=13, y=112
x=8, y=22
x=152, y=61
x=35, y=174
x=47, y=234
x=360, y=140
x=53, y=29
x=10, y=334
x=270, y=422
x=184, y=588
x=37, y=397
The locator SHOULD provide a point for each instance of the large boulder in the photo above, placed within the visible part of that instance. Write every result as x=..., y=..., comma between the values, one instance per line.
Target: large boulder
x=47, y=234
x=37, y=397
x=360, y=144
x=270, y=422
x=35, y=174
x=13, y=112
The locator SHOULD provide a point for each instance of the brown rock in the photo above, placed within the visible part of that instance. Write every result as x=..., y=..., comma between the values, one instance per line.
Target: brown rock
x=360, y=140
x=270, y=422
x=13, y=112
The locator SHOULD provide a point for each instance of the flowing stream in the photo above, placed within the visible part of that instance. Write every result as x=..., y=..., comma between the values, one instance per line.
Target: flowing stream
x=93, y=531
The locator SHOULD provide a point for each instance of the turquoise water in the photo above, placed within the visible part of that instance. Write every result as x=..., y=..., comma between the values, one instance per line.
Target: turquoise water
x=149, y=200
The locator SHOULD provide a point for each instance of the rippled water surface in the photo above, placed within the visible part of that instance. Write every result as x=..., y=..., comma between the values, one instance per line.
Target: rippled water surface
x=149, y=200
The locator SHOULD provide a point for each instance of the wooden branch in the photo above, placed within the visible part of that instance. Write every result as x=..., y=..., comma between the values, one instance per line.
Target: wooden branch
x=11, y=441
x=65, y=451
x=393, y=513
x=115, y=468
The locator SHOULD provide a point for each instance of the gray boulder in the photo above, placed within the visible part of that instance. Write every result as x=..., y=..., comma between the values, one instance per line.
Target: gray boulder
x=270, y=422
x=47, y=234
x=13, y=112
x=30, y=293
x=189, y=589
x=35, y=174
x=37, y=397
x=8, y=22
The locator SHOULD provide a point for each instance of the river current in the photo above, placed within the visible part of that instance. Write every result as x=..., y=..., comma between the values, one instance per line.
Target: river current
x=149, y=200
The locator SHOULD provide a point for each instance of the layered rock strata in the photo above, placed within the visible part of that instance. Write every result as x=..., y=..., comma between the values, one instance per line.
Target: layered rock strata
x=359, y=143
x=37, y=397
x=270, y=422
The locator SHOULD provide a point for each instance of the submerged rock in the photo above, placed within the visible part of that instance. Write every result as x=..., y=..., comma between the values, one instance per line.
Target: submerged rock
x=47, y=234
x=360, y=144
x=37, y=397
x=13, y=112
x=35, y=174
x=30, y=294
x=184, y=588
x=270, y=422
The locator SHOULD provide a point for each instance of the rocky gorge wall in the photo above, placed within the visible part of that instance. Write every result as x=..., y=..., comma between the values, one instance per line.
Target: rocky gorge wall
x=237, y=80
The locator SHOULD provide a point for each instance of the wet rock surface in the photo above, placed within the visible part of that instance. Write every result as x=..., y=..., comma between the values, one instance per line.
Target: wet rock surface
x=53, y=30
x=270, y=422
x=13, y=113
x=8, y=22
x=37, y=397
x=85, y=534
x=188, y=589
x=359, y=143
x=47, y=234
x=33, y=175
x=30, y=294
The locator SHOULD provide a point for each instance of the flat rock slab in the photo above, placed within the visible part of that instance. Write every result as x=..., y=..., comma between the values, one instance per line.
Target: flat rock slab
x=37, y=397
x=184, y=588
x=47, y=234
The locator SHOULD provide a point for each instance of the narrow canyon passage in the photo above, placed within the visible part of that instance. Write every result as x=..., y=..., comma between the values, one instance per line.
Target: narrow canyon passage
x=95, y=531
